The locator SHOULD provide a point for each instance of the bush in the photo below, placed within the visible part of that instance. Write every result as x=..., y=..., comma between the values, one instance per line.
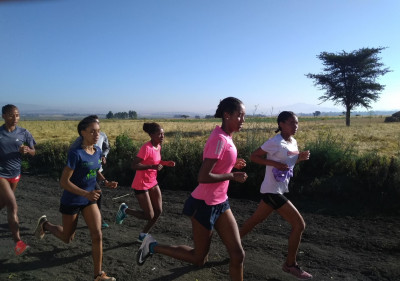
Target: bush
x=187, y=155
x=119, y=160
x=50, y=159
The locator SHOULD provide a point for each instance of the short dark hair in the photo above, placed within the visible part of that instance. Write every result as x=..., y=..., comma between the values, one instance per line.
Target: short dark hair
x=228, y=105
x=282, y=117
x=151, y=128
x=85, y=122
x=7, y=108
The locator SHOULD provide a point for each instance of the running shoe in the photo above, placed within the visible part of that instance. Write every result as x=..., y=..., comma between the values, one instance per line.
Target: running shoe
x=296, y=271
x=20, y=247
x=144, y=250
x=39, y=231
x=141, y=237
x=121, y=215
x=104, y=225
x=103, y=277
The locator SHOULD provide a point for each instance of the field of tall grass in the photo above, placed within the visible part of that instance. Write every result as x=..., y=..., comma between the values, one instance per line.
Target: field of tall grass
x=362, y=160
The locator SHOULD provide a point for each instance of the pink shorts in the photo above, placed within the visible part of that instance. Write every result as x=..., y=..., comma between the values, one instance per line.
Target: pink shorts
x=12, y=180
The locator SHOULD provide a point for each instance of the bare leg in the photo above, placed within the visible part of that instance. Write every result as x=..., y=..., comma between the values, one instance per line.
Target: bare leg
x=146, y=212
x=227, y=229
x=292, y=216
x=66, y=231
x=7, y=199
x=156, y=203
x=92, y=217
x=197, y=255
x=151, y=204
x=261, y=213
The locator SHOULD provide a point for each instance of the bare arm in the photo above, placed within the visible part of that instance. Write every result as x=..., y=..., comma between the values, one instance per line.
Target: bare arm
x=258, y=156
x=137, y=165
x=110, y=184
x=206, y=175
x=24, y=149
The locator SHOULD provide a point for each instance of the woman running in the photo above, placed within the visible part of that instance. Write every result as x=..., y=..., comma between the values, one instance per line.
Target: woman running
x=208, y=206
x=14, y=142
x=147, y=191
x=280, y=154
x=78, y=180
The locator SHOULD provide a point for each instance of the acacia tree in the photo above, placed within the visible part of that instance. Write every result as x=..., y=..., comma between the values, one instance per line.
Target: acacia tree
x=349, y=79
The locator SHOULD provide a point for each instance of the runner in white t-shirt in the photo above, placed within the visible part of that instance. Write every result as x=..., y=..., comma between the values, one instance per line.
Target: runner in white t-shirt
x=208, y=206
x=279, y=155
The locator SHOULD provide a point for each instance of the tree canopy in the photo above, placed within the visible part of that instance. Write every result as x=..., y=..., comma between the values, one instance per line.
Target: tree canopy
x=349, y=79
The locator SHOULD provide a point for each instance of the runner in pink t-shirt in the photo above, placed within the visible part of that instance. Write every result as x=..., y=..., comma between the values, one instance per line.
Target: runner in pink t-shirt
x=208, y=205
x=147, y=163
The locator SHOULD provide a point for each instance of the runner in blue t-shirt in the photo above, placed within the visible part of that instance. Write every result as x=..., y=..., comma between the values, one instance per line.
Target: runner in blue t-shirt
x=14, y=142
x=104, y=146
x=78, y=180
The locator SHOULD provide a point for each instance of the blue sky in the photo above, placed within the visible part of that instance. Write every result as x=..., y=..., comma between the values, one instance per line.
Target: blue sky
x=186, y=55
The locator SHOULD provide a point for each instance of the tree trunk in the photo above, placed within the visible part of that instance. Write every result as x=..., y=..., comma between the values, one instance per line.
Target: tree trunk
x=347, y=116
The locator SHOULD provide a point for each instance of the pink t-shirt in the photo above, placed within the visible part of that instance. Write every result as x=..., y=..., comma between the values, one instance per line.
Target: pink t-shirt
x=218, y=146
x=146, y=179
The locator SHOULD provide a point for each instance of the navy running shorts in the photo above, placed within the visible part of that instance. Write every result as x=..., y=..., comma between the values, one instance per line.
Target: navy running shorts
x=205, y=214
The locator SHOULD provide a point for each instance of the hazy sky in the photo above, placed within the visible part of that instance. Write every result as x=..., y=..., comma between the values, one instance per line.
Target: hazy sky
x=186, y=55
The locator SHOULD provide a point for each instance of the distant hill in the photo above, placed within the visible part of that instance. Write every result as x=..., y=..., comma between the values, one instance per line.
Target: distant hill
x=39, y=112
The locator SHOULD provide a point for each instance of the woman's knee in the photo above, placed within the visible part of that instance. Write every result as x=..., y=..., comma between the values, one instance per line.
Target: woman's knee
x=68, y=238
x=200, y=260
x=157, y=213
x=299, y=227
x=97, y=236
x=237, y=256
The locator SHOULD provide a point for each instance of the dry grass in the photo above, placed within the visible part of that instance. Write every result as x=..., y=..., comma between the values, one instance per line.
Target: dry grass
x=366, y=134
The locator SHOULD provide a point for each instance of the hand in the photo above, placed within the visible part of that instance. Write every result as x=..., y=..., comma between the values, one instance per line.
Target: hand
x=239, y=176
x=103, y=160
x=281, y=166
x=168, y=163
x=111, y=184
x=93, y=195
x=240, y=163
x=157, y=167
x=304, y=155
x=23, y=149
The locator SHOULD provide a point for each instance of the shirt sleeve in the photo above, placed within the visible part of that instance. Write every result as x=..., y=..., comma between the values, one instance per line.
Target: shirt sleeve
x=105, y=146
x=143, y=152
x=270, y=146
x=29, y=139
x=215, y=148
x=73, y=159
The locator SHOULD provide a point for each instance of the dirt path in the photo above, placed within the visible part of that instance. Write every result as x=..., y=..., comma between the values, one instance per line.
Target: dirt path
x=345, y=247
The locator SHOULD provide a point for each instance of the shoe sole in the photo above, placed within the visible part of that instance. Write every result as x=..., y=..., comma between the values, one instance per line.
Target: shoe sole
x=38, y=228
x=140, y=260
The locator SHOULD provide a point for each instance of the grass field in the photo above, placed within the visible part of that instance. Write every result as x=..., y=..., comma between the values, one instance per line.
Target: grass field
x=366, y=134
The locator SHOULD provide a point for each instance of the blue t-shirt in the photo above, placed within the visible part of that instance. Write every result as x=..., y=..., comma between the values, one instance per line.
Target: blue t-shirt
x=85, y=168
x=10, y=157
